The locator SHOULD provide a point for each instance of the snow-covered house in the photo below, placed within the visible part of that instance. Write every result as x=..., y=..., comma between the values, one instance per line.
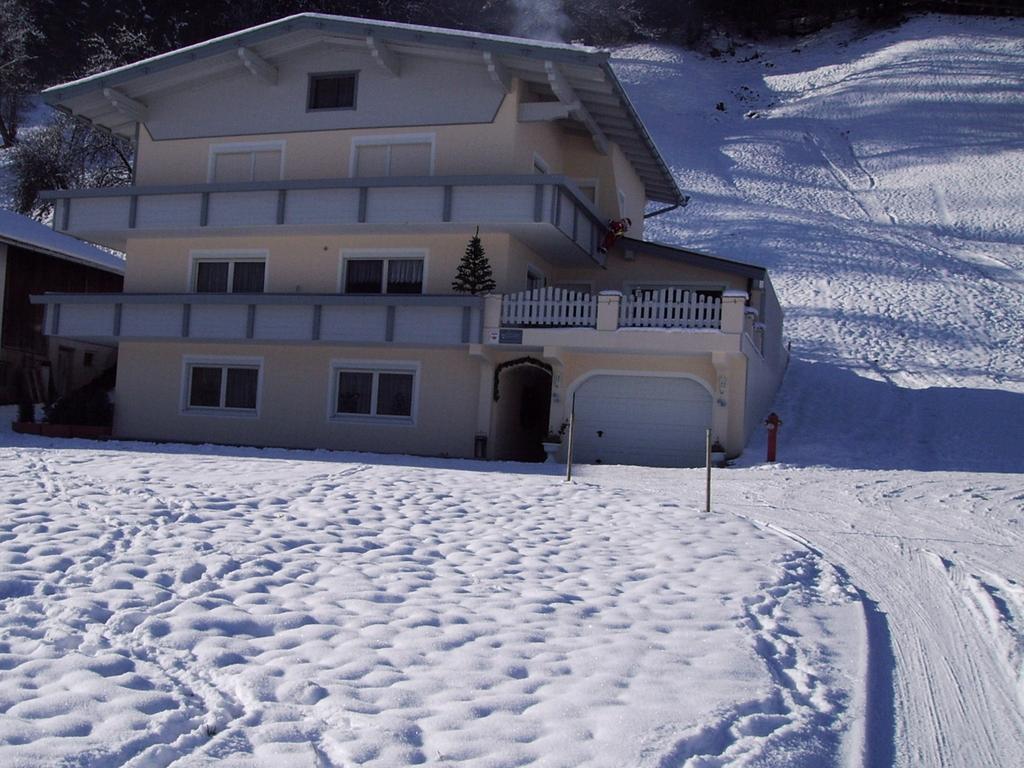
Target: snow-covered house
x=33, y=259
x=303, y=194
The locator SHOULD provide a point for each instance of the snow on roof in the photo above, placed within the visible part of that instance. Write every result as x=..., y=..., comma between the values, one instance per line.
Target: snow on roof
x=330, y=23
x=28, y=233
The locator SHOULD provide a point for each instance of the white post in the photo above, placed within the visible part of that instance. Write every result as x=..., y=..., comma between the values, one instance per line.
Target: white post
x=608, y=310
x=707, y=463
x=733, y=303
x=572, y=428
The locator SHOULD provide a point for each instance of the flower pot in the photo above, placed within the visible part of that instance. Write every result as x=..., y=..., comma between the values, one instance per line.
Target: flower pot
x=551, y=450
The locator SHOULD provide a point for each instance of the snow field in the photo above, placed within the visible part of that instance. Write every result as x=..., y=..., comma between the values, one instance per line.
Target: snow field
x=195, y=608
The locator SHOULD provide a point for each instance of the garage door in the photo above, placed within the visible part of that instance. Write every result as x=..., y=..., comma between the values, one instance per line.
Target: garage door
x=648, y=420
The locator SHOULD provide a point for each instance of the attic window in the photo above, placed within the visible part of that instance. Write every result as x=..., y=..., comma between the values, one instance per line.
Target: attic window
x=332, y=90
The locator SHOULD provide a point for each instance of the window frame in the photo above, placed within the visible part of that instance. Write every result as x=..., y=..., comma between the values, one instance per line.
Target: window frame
x=374, y=367
x=383, y=255
x=340, y=73
x=390, y=140
x=224, y=362
x=231, y=257
x=243, y=147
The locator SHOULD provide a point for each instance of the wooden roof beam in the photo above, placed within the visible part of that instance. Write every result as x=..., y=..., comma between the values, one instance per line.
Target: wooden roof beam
x=565, y=94
x=258, y=67
x=386, y=58
x=127, y=106
x=499, y=72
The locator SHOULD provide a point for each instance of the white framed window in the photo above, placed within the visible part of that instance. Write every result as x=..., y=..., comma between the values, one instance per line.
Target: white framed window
x=247, y=161
x=222, y=385
x=409, y=154
x=228, y=272
x=378, y=391
x=383, y=271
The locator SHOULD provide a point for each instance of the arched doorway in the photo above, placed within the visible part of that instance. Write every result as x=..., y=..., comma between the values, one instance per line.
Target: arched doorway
x=522, y=394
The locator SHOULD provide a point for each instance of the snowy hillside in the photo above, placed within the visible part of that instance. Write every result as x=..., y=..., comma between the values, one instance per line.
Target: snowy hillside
x=860, y=604
x=879, y=176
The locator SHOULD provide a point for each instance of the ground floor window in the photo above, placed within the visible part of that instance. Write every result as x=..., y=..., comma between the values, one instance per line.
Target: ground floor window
x=225, y=386
x=368, y=391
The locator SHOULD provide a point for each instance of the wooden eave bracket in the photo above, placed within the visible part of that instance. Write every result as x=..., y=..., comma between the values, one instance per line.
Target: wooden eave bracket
x=499, y=72
x=567, y=95
x=258, y=67
x=127, y=106
x=543, y=111
x=386, y=59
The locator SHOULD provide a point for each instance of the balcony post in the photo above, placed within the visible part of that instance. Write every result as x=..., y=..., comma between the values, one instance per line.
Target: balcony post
x=608, y=303
x=492, y=312
x=733, y=303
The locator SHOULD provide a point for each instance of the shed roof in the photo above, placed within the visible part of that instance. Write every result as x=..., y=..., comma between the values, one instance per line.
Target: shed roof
x=23, y=232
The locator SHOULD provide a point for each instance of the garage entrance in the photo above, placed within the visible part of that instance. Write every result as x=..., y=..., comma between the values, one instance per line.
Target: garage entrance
x=657, y=421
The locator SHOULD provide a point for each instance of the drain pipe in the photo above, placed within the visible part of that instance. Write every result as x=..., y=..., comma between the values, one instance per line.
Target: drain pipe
x=681, y=204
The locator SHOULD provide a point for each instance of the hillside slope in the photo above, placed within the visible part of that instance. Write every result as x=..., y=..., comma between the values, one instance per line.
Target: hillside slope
x=878, y=175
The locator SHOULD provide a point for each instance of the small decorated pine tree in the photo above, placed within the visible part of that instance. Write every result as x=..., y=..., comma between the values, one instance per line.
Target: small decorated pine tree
x=474, y=274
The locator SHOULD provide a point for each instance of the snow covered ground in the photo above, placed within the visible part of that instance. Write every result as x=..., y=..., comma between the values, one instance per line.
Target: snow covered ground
x=861, y=603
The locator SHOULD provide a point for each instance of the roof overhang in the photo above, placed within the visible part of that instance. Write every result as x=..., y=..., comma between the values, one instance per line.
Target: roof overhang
x=579, y=77
x=693, y=258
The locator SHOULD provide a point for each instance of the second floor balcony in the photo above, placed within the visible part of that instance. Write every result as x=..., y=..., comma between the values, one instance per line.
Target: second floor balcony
x=547, y=212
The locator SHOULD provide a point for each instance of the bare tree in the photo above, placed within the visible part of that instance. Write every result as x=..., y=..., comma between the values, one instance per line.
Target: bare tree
x=17, y=31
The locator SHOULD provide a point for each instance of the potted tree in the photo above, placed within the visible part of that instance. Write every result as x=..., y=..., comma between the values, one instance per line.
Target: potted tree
x=553, y=442
x=717, y=454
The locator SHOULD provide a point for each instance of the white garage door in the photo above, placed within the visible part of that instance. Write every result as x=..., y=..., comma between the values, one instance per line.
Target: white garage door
x=648, y=420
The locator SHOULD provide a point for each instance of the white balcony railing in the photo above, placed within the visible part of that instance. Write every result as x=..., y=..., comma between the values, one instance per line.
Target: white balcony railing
x=670, y=308
x=549, y=307
x=666, y=308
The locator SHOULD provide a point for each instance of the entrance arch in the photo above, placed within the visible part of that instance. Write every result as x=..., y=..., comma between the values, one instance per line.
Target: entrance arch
x=522, y=394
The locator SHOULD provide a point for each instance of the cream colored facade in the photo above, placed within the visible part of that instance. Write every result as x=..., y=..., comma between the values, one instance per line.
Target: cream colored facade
x=528, y=151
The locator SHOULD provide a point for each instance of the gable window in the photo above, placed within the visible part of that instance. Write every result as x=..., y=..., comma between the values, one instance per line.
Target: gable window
x=393, y=156
x=227, y=386
x=332, y=90
x=225, y=274
x=260, y=161
x=379, y=273
x=367, y=390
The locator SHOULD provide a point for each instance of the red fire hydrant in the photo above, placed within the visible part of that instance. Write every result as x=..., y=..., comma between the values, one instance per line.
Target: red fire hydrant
x=773, y=422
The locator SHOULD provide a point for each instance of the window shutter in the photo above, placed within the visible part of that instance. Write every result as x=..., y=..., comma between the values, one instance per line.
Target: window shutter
x=371, y=160
x=410, y=160
x=232, y=166
x=267, y=166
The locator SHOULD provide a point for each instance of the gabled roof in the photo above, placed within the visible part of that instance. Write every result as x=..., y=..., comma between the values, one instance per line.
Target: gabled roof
x=23, y=232
x=578, y=76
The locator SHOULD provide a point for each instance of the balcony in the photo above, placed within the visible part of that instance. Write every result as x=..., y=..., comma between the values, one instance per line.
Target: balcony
x=676, y=321
x=264, y=318
x=547, y=212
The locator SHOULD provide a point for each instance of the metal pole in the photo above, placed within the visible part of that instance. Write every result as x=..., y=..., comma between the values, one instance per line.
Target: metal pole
x=568, y=449
x=707, y=461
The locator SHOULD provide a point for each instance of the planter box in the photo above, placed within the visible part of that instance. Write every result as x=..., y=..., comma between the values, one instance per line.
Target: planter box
x=61, y=430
